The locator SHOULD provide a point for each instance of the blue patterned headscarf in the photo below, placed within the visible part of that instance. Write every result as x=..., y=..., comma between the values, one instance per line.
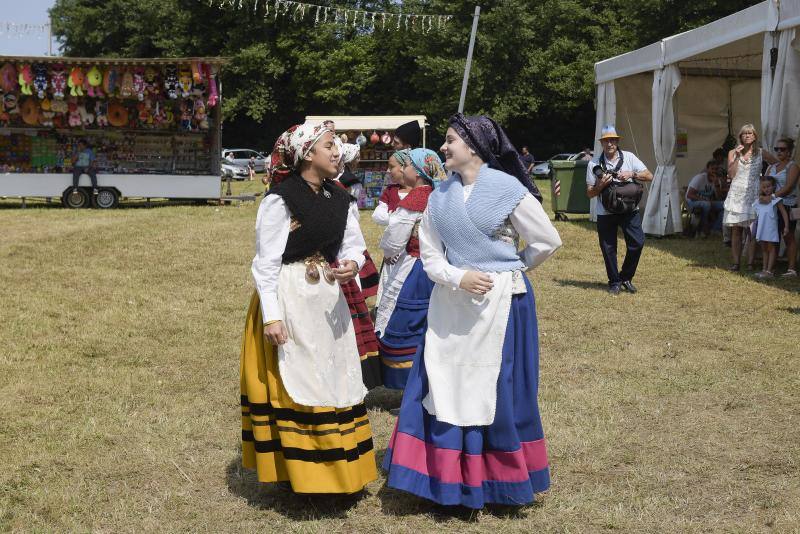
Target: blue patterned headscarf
x=491, y=143
x=428, y=165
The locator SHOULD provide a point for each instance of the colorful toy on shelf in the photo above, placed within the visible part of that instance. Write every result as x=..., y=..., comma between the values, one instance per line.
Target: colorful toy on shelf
x=10, y=104
x=8, y=78
x=126, y=87
x=46, y=115
x=142, y=114
x=151, y=81
x=74, y=119
x=95, y=78
x=30, y=112
x=58, y=80
x=185, y=81
x=101, y=113
x=40, y=79
x=200, y=115
x=110, y=81
x=171, y=81
x=75, y=82
x=186, y=115
x=25, y=80
x=86, y=117
x=59, y=105
x=117, y=114
x=138, y=83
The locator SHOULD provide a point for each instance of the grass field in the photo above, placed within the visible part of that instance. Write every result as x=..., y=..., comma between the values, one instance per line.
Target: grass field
x=673, y=410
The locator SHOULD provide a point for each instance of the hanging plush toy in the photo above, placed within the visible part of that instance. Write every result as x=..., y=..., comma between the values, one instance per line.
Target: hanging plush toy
x=74, y=115
x=185, y=81
x=86, y=117
x=46, y=114
x=159, y=117
x=151, y=81
x=30, y=112
x=186, y=115
x=110, y=81
x=361, y=140
x=95, y=78
x=197, y=73
x=126, y=87
x=75, y=82
x=40, y=79
x=171, y=81
x=8, y=78
x=200, y=116
x=101, y=113
x=374, y=138
x=10, y=104
x=138, y=83
x=58, y=80
x=26, y=80
x=213, y=96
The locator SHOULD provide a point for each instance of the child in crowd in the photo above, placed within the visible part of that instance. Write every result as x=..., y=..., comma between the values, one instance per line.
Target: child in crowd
x=767, y=208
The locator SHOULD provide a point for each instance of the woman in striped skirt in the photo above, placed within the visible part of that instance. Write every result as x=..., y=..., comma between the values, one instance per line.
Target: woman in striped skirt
x=303, y=417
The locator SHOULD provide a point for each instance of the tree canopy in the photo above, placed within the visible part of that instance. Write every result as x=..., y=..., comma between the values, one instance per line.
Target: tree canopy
x=532, y=68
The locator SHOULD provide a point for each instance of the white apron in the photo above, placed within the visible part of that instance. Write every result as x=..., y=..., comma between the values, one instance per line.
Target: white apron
x=319, y=364
x=464, y=351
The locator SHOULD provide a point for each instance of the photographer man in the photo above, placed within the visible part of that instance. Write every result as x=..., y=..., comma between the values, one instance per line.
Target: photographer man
x=614, y=176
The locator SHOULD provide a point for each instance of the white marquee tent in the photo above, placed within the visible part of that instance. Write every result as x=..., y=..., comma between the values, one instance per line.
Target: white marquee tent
x=677, y=100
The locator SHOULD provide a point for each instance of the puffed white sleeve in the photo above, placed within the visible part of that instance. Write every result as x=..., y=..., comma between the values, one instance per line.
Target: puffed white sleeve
x=272, y=233
x=534, y=226
x=396, y=236
x=353, y=244
x=433, y=256
x=381, y=214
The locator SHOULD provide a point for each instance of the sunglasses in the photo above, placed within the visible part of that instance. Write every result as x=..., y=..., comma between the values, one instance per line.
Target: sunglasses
x=781, y=148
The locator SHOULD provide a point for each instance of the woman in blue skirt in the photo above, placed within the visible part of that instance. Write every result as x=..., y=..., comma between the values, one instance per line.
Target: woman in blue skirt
x=469, y=431
x=400, y=319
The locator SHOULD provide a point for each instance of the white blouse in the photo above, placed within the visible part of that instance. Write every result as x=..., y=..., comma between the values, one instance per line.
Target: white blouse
x=529, y=220
x=396, y=236
x=272, y=233
x=380, y=215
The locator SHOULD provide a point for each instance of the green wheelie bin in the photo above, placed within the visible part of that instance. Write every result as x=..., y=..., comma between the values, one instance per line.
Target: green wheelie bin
x=568, y=187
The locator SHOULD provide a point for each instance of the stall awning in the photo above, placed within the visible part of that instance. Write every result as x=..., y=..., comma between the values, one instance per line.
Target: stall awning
x=143, y=61
x=367, y=122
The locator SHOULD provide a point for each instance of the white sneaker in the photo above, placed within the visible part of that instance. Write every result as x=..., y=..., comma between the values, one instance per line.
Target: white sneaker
x=790, y=273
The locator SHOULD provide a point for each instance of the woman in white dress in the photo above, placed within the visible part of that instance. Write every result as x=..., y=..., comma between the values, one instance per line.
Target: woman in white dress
x=744, y=164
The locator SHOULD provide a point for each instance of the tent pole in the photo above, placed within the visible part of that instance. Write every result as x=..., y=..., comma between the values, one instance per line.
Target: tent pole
x=468, y=66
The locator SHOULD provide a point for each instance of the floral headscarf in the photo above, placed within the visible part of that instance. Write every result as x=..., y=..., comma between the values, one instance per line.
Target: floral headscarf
x=491, y=143
x=428, y=165
x=292, y=147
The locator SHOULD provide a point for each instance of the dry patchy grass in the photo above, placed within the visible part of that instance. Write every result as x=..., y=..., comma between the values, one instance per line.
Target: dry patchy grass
x=674, y=410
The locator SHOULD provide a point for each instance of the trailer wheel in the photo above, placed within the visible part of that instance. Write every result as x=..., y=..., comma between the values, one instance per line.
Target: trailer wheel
x=75, y=198
x=106, y=199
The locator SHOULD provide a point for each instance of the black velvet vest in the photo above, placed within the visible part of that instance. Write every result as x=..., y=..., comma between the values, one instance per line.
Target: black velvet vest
x=318, y=222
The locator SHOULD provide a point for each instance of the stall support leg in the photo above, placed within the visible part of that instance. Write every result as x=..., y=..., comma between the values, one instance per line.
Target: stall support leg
x=24, y=204
x=147, y=202
x=228, y=190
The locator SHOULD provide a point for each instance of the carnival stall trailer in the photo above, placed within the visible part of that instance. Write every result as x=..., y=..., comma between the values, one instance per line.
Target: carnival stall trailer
x=153, y=126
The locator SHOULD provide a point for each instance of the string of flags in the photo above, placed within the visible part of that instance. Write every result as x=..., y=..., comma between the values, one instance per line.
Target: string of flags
x=342, y=16
x=14, y=29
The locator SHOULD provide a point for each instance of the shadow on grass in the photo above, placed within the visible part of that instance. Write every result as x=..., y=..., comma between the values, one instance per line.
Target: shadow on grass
x=583, y=284
x=279, y=498
x=383, y=399
x=795, y=311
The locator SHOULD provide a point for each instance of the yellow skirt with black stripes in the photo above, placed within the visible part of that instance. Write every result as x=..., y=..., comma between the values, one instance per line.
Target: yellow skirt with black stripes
x=316, y=449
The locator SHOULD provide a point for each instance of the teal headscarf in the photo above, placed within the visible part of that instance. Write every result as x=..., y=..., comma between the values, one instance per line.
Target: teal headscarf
x=425, y=162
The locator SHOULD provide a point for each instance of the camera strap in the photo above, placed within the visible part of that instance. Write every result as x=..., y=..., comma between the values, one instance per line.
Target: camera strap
x=617, y=167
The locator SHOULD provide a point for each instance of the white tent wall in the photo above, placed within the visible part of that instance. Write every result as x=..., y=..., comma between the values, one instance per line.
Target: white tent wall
x=606, y=105
x=780, y=99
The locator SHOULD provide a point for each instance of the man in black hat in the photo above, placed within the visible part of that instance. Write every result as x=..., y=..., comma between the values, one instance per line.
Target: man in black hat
x=407, y=136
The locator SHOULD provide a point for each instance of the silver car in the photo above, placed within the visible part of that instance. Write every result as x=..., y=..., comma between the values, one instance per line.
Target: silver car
x=241, y=156
x=236, y=172
x=542, y=170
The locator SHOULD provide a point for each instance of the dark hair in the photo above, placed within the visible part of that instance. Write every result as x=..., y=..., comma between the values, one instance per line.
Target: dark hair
x=789, y=142
x=770, y=179
x=525, y=147
x=718, y=153
x=710, y=164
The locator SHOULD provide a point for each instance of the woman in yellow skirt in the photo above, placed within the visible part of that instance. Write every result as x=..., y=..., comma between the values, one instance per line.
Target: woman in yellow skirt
x=303, y=415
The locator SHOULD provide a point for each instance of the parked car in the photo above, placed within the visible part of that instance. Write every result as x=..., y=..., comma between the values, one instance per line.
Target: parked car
x=241, y=156
x=235, y=171
x=542, y=170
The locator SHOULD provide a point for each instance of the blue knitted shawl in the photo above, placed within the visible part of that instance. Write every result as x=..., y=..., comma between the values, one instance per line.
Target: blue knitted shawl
x=467, y=228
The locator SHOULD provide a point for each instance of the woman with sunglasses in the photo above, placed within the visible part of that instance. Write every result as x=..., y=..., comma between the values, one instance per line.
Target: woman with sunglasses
x=744, y=168
x=786, y=173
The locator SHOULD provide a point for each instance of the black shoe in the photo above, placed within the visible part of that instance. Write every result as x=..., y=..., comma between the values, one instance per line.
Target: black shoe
x=614, y=290
x=628, y=286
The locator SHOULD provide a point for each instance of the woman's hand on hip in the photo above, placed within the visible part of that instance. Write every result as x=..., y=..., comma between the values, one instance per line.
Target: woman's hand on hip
x=476, y=282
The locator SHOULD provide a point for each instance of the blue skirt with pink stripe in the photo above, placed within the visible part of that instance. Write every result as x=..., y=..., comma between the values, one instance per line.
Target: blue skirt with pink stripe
x=502, y=463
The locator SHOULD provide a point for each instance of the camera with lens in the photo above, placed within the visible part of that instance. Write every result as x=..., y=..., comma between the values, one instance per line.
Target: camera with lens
x=598, y=172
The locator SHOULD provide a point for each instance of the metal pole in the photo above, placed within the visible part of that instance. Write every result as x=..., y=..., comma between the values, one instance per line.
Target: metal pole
x=50, y=36
x=468, y=66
